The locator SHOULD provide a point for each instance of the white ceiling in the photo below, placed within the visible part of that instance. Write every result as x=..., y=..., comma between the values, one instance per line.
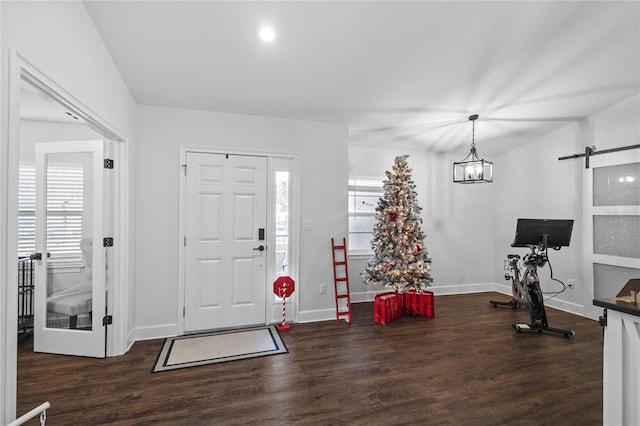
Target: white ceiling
x=400, y=74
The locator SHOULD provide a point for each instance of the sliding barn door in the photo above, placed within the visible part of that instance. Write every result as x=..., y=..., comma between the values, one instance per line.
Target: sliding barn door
x=612, y=225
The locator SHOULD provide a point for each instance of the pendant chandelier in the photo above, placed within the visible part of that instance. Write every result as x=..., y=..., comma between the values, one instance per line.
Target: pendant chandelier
x=473, y=169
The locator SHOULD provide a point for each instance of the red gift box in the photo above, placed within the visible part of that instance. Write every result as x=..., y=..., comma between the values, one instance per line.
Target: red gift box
x=418, y=303
x=387, y=307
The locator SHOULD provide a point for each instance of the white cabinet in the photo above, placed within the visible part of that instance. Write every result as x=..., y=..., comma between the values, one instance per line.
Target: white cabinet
x=621, y=381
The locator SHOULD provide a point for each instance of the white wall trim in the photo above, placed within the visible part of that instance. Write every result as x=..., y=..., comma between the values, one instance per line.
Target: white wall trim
x=155, y=332
x=365, y=296
x=8, y=236
x=503, y=288
x=131, y=338
x=317, y=315
x=439, y=290
x=563, y=305
x=368, y=296
x=21, y=71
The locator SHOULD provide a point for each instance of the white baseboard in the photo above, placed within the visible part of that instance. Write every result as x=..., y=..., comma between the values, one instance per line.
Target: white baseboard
x=368, y=296
x=439, y=290
x=131, y=339
x=563, y=305
x=317, y=315
x=365, y=296
x=503, y=288
x=155, y=332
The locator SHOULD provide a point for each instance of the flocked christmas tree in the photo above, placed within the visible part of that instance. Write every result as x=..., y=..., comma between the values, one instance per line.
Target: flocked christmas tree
x=400, y=259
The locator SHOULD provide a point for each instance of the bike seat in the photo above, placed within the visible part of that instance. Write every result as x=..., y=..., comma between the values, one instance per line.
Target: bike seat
x=513, y=256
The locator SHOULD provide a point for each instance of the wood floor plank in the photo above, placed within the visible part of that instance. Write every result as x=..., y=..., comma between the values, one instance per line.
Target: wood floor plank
x=465, y=366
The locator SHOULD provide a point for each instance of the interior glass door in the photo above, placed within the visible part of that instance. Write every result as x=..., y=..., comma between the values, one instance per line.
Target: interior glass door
x=612, y=225
x=71, y=262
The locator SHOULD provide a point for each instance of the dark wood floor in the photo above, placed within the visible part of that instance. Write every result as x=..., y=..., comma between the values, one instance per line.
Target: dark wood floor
x=466, y=366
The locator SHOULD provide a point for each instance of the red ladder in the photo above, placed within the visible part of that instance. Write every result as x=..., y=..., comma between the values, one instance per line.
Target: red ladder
x=341, y=281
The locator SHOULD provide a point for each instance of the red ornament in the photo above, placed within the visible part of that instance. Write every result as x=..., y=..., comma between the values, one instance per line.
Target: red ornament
x=393, y=216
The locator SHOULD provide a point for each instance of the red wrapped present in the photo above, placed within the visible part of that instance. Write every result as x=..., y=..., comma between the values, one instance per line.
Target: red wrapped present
x=387, y=307
x=418, y=303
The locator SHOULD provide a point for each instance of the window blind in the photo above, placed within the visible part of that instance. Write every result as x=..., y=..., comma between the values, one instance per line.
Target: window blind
x=65, y=204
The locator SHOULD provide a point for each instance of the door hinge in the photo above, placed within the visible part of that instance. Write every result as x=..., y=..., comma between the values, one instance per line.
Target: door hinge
x=602, y=320
x=107, y=242
x=184, y=242
x=184, y=312
x=184, y=167
x=108, y=163
x=107, y=320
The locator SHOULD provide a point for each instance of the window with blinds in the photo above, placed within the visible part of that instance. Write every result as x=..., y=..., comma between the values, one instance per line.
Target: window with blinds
x=65, y=189
x=364, y=194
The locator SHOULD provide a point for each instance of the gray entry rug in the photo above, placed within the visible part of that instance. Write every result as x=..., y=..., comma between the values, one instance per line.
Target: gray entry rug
x=221, y=346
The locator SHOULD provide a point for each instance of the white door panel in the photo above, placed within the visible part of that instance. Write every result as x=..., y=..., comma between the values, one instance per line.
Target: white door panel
x=70, y=285
x=224, y=270
x=612, y=224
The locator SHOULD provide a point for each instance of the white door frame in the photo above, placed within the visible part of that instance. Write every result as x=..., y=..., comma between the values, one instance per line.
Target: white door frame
x=273, y=309
x=21, y=71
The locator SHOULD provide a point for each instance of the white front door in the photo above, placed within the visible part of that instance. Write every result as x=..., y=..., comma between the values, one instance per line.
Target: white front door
x=71, y=218
x=225, y=241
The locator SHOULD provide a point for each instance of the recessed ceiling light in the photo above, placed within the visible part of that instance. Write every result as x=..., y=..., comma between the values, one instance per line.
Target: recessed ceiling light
x=267, y=34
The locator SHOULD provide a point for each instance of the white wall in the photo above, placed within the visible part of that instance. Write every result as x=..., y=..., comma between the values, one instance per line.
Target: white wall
x=458, y=221
x=32, y=132
x=616, y=126
x=533, y=183
x=322, y=182
x=58, y=38
x=469, y=228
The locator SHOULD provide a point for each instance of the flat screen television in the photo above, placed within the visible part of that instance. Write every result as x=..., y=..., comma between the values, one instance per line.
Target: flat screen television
x=554, y=233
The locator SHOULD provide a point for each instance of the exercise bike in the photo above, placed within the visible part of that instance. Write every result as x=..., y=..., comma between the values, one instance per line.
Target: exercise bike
x=512, y=268
x=539, y=235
